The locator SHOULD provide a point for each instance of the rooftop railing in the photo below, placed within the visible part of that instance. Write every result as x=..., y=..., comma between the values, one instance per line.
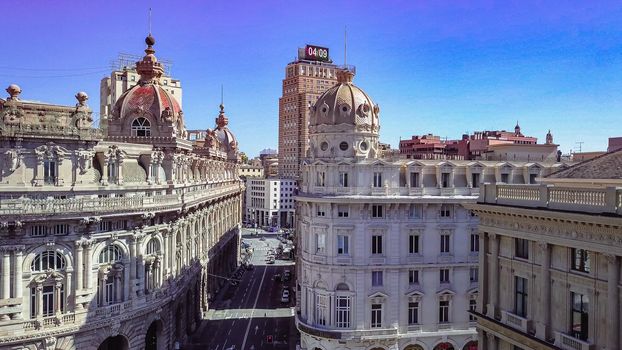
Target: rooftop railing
x=590, y=200
x=87, y=203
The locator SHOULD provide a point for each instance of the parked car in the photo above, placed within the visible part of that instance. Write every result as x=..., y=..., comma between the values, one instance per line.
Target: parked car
x=285, y=296
x=262, y=238
x=271, y=261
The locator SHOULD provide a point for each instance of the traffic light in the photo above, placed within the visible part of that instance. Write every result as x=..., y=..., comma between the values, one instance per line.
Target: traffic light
x=269, y=339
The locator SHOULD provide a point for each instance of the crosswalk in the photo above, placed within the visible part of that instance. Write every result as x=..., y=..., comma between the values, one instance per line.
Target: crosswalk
x=246, y=313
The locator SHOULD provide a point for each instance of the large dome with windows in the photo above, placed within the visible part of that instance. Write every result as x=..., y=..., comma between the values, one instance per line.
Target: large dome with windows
x=344, y=106
x=147, y=109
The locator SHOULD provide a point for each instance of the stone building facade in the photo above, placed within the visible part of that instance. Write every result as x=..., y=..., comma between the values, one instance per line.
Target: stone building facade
x=550, y=260
x=112, y=241
x=387, y=253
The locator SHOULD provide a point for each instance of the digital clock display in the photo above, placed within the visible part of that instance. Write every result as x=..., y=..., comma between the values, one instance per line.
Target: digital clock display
x=316, y=53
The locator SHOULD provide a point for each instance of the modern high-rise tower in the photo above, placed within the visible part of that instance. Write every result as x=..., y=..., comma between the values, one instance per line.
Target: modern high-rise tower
x=306, y=79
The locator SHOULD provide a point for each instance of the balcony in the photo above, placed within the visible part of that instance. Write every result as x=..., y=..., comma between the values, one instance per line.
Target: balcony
x=344, y=334
x=87, y=204
x=515, y=321
x=568, y=342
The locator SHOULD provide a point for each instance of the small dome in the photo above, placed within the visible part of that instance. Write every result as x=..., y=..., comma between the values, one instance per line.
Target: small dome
x=345, y=104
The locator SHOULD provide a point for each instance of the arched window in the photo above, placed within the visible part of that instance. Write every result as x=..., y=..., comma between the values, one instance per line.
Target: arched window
x=141, y=127
x=110, y=254
x=153, y=247
x=48, y=260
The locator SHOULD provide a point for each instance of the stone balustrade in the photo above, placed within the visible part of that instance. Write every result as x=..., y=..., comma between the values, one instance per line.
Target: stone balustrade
x=389, y=191
x=568, y=342
x=90, y=203
x=591, y=200
x=344, y=333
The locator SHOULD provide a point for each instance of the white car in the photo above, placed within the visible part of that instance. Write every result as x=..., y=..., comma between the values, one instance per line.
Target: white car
x=285, y=296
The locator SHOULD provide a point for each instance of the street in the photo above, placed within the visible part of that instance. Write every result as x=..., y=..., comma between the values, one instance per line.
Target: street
x=251, y=315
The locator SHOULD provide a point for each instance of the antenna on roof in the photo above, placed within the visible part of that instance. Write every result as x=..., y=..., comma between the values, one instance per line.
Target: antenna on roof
x=345, y=45
x=150, y=21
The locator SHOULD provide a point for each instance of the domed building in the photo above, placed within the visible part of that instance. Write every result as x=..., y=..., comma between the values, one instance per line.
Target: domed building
x=387, y=253
x=112, y=240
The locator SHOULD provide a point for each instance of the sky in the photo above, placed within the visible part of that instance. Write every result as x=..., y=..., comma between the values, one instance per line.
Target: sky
x=441, y=67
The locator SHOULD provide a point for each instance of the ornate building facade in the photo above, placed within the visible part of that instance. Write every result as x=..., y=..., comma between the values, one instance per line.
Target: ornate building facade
x=550, y=260
x=112, y=241
x=388, y=255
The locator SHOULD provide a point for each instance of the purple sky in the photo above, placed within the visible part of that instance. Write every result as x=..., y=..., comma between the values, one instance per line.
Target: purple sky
x=442, y=67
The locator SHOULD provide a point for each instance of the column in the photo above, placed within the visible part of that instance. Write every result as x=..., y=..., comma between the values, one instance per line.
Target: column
x=70, y=295
x=165, y=254
x=57, y=296
x=104, y=179
x=79, y=267
x=132, y=268
x=544, y=324
x=19, y=259
x=613, y=302
x=492, y=341
x=39, y=297
x=88, y=266
x=120, y=172
x=141, y=276
x=480, y=339
x=117, y=286
x=494, y=274
x=483, y=280
x=172, y=253
x=6, y=274
x=103, y=290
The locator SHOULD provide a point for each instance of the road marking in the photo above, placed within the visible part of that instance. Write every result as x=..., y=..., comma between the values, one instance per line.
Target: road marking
x=248, y=328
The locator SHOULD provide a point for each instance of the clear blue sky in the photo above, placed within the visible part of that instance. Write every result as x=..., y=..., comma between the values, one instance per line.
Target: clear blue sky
x=444, y=67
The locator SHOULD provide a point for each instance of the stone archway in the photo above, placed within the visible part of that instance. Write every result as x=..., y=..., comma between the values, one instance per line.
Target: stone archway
x=153, y=337
x=413, y=347
x=444, y=346
x=472, y=345
x=118, y=342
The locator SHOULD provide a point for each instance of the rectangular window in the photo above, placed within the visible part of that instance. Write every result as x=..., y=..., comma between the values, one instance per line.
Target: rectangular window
x=112, y=172
x=343, y=179
x=474, y=242
x=443, y=311
x=320, y=178
x=376, y=244
x=445, y=180
x=475, y=180
x=377, y=179
x=38, y=231
x=343, y=312
x=376, y=211
x=343, y=245
x=320, y=244
x=49, y=172
x=342, y=211
x=444, y=275
x=414, y=179
x=321, y=213
x=580, y=260
x=413, y=313
x=473, y=274
x=472, y=307
x=413, y=244
x=522, y=248
x=504, y=178
x=61, y=229
x=532, y=178
x=48, y=301
x=520, y=298
x=416, y=211
x=580, y=316
x=376, y=315
x=445, y=243
x=413, y=276
x=376, y=278
x=321, y=309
